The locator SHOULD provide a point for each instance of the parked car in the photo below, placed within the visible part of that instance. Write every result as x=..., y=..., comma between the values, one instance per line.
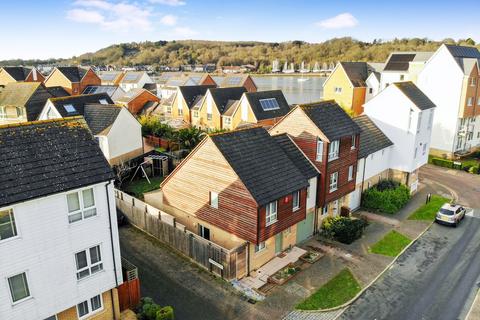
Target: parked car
x=450, y=214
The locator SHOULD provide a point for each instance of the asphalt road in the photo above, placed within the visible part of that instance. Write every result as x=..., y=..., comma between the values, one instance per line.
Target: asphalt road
x=436, y=278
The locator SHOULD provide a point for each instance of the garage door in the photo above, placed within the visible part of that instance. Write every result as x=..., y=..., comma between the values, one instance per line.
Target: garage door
x=305, y=228
x=355, y=198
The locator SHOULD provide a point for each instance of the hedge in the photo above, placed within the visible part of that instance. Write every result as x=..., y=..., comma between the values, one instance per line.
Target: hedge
x=343, y=229
x=442, y=162
x=387, y=200
x=149, y=310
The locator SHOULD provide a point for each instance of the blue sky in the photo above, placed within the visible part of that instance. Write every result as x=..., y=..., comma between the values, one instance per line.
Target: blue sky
x=61, y=28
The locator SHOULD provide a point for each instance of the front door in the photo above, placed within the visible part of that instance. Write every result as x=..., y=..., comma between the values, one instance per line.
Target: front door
x=305, y=228
x=278, y=242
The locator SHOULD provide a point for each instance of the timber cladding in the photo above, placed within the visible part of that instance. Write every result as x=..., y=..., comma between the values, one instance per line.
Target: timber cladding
x=189, y=187
x=286, y=217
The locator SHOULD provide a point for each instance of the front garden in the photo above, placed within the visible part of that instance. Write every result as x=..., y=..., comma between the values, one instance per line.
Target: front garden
x=343, y=229
x=391, y=244
x=469, y=164
x=339, y=290
x=387, y=196
x=429, y=210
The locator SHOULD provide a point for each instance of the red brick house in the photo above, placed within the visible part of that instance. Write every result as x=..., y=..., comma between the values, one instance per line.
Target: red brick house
x=330, y=139
x=73, y=79
x=137, y=99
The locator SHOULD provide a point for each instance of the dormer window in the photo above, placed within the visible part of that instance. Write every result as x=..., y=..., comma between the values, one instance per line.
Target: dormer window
x=333, y=150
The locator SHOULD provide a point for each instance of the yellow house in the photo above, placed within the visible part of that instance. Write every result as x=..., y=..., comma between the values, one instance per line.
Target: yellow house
x=180, y=104
x=213, y=112
x=346, y=85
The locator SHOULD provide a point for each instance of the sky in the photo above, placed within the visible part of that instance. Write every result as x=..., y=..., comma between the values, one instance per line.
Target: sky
x=62, y=29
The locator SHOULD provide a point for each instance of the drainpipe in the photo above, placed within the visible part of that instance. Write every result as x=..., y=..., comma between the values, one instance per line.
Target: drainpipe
x=363, y=177
x=111, y=242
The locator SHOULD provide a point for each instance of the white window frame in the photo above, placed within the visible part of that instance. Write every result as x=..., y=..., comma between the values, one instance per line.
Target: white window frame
x=469, y=101
x=228, y=120
x=209, y=116
x=430, y=119
x=416, y=151
x=3, y=112
x=12, y=223
x=424, y=150
x=354, y=140
x=89, y=265
x=271, y=210
x=260, y=247
x=319, y=156
x=350, y=173
x=213, y=199
x=325, y=210
x=333, y=150
x=20, y=111
x=27, y=287
x=103, y=101
x=296, y=206
x=338, y=90
x=333, y=185
x=90, y=309
x=419, y=121
x=473, y=82
x=82, y=208
x=410, y=117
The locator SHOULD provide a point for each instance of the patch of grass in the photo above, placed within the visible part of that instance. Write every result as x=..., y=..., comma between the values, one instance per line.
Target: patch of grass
x=140, y=186
x=429, y=210
x=391, y=244
x=335, y=292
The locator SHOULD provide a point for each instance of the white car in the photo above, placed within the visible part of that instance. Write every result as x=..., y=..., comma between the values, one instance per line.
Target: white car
x=450, y=214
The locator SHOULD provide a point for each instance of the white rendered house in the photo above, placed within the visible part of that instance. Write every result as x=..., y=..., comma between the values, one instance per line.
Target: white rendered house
x=134, y=80
x=403, y=66
x=58, y=230
x=405, y=115
x=451, y=80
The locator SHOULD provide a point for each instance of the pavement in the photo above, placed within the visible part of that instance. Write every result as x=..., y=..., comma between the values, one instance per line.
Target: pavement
x=436, y=278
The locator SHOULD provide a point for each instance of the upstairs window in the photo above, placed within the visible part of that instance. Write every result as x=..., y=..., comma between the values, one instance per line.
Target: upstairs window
x=402, y=77
x=338, y=90
x=271, y=213
x=213, y=199
x=419, y=121
x=296, y=200
x=88, y=262
x=195, y=114
x=81, y=205
x=430, y=119
x=350, y=173
x=8, y=228
x=19, y=287
x=353, y=141
x=333, y=181
x=20, y=112
x=473, y=81
x=470, y=102
x=209, y=116
x=333, y=150
x=319, y=150
x=227, y=120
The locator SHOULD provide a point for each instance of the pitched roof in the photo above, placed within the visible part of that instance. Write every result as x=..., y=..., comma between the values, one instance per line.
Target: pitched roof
x=416, y=95
x=46, y=157
x=190, y=93
x=57, y=91
x=372, y=139
x=234, y=80
x=296, y=156
x=74, y=74
x=109, y=76
x=100, y=117
x=254, y=99
x=260, y=163
x=331, y=119
x=31, y=95
x=221, y=96
x=78, y=103
x=17, y=73
x=132, y=76
x=400, y=61
x=357, y=72
x=466, y=57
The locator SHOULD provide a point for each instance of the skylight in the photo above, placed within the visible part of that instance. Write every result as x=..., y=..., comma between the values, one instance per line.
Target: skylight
x=90, y=90
x=70, y=108
x=269, y=104
x=103, y=101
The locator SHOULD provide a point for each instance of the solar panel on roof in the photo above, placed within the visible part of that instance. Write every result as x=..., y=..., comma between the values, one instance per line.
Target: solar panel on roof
x=269, y=104
x=234, y=80
x=464, y=52
x=130, y=77
x=175, y=83
x=108, y=76
x=70, y=108
x=90, y=90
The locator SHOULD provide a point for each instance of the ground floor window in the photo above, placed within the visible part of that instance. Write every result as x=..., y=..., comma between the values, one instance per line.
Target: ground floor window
x=19, y=287
x=260, y=247
x=204, y=232
x=88, y=307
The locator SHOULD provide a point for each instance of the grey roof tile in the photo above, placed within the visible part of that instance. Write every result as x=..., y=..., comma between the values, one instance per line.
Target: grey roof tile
x=415, y=95
x=372, y=139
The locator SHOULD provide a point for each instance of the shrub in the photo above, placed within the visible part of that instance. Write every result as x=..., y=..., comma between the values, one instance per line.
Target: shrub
x=474, y=169
x=388, y=200
x=149, y=310
x=342, y=229
x=442, y=162
x=387, y=185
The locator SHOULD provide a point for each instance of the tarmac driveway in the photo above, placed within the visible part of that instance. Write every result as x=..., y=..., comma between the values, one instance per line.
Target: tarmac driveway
x=434, y=279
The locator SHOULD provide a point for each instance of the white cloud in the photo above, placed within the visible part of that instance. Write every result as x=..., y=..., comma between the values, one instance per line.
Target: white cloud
x=343, y=20
x=173, y=3
x=184, y=32
x=169, y=20
x=115, y=16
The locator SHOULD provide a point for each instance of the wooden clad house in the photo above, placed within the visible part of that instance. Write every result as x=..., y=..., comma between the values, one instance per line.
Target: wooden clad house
x=347, y=85
x=19, y=74
x=210, y=112
x=137, y=99
x=330, y=139
x=241, y=186
x=73, y=79
x=239, y=80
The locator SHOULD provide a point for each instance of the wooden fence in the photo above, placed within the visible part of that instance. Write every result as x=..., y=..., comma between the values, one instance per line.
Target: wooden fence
x=163, y=226
x=129, y=290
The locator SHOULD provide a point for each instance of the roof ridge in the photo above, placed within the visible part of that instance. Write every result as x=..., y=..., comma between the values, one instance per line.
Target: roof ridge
x=28, y=123
x=316, y=103
x=78, y=96
x=254, y=126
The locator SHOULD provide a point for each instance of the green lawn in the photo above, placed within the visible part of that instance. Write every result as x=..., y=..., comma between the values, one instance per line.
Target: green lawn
x=335, y=292
x=391, y=244
x=140, y=186
x=429, y=210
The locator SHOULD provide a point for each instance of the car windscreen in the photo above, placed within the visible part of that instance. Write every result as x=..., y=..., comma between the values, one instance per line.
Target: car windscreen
x=446, y=212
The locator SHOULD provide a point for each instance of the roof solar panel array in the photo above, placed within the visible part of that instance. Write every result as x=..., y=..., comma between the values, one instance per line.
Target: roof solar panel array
x=464, y=52
x=108, y=76
x=399, y=62
x=269, y=104
x=130, y=77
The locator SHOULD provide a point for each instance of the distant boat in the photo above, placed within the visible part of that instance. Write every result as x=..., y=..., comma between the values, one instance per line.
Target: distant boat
x=291, y=70
x=303, y=69
x=302, y=79
x=316, y=67
x=276, y=66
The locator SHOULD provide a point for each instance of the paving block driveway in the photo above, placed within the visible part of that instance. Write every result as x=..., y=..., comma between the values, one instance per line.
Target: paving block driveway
x=436, y=278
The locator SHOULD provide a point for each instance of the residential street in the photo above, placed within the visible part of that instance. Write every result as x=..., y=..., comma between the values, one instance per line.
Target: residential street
x=436, y=277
